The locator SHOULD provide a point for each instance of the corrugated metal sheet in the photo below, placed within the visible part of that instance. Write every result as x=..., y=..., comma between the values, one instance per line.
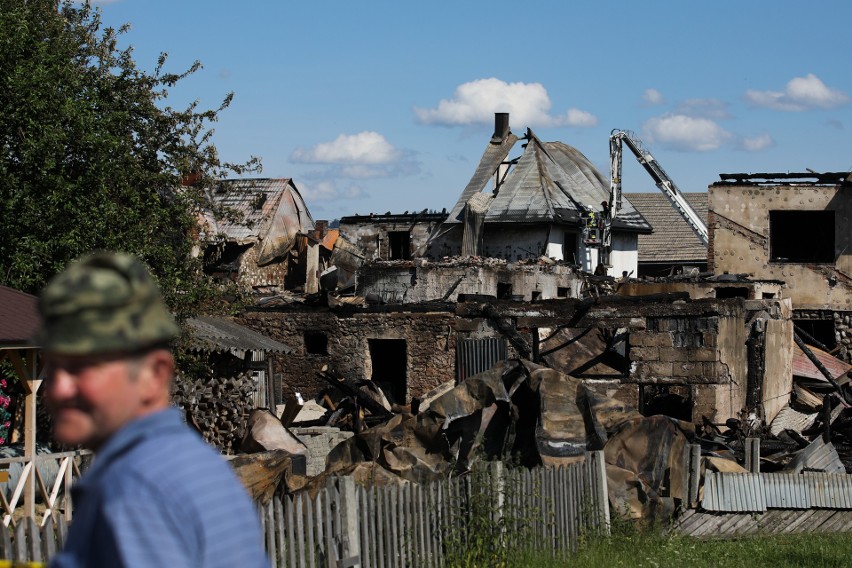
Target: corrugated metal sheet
x=733, y=492
x=475, y=356
x=220, y=334
x=785, y=491
x=818, y=456
x=755, y=492
x=829, y=490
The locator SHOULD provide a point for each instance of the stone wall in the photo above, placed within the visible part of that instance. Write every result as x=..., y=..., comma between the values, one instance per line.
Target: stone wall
x=430, y=345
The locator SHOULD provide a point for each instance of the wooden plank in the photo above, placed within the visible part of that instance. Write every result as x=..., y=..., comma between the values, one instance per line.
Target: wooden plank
x=300, y=539
x=280, y=535
x=289, y=514
x=5, y=543
x=329, y=497
x=48, y=539
x=19, y=550
x=381, y=535
x=313, y=523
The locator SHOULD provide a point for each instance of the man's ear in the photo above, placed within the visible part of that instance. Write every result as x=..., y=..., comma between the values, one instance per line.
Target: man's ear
x=159, y=369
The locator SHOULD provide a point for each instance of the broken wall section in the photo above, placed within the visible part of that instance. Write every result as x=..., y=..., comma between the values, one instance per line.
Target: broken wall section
x=800, y=234
x=422, y=281
x=413, y=351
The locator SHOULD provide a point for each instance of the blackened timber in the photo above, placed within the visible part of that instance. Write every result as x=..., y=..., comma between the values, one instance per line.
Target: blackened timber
x=332, y=378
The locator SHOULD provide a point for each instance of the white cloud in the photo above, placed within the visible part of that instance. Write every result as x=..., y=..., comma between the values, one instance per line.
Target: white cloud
x=577, y=117
x=683, y=132
x=653, y=97
x=328, y=191
x=362, y=148
x=706, y=108
x=476, y=102
x=801, y=93
x=758, y=143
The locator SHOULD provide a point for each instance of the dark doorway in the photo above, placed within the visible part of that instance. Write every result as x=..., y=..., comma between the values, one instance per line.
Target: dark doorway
x=390, y=367
x=569, y=248
x=399, y=245
x=669, y=400
x=801, y=236
x=504, y=290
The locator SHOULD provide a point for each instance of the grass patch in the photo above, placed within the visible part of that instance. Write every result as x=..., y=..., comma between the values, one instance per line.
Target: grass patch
x=656, y=550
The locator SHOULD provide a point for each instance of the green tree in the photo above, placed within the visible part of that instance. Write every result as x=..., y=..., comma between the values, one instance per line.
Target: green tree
x=91, y=155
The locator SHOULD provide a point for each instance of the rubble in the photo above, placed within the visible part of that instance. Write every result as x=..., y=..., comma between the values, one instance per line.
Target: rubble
x=539, y=416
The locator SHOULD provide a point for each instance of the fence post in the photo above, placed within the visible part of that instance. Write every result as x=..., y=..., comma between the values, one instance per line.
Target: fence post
x=694, y=467
x=752, y=455
x=600, y=490
x=350, y=531
x=498, y=491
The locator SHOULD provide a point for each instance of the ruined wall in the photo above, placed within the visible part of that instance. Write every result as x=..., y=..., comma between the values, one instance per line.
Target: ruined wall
x=778, y=378
x=430, y=345
x=253, y=276
x=704, y=289
x=740, y=240
x=420, y=281
x=372, y=236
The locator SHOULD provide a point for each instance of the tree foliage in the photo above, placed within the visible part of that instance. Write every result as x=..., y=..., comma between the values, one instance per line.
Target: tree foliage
x=92, y=156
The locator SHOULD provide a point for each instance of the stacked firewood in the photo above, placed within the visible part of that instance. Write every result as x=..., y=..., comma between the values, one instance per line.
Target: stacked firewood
x=217, y=406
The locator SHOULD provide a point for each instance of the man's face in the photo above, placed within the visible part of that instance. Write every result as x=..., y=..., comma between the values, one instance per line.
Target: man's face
x=92, y=397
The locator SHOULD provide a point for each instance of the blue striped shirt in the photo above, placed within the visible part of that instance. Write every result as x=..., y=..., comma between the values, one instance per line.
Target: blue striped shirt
x=157, y=495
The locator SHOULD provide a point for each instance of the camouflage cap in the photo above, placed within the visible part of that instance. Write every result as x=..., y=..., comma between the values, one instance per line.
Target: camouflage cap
x=104, y=302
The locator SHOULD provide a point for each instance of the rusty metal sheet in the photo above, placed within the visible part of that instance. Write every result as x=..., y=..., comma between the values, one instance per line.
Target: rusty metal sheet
x=803, y=367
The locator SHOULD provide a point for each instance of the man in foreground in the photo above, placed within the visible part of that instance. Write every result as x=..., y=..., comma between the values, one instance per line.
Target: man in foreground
x=156, y=494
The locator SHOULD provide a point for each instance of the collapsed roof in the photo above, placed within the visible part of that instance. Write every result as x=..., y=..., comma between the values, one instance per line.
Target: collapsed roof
x=550, y=182
x=266, y=211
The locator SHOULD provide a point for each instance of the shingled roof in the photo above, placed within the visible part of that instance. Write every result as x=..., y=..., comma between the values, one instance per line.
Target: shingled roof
x=551, y=182
x=673, y=239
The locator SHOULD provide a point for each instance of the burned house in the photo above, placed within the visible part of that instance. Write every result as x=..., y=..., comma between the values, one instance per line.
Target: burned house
x=672, y=247
x=251, y=229
x=390, y=236
x=794, y=228
x=694, y=358
x=548, y=201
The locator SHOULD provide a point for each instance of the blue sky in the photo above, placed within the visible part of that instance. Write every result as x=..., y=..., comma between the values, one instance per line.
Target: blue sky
x=387, y=106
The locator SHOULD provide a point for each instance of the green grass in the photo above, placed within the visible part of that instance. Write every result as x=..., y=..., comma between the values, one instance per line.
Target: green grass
x=654, y=550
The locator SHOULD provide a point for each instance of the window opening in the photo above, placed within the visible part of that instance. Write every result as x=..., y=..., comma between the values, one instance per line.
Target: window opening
x=316, y=343
x=732, y=292
x=399, y=244
x=801, y=236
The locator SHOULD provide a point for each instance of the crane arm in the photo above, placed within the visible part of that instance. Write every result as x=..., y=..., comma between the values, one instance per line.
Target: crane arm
x=657, y=173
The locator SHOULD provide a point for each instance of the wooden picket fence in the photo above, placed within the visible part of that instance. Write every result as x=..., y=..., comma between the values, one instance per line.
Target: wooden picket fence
x=543, y=509
x=31, y=544
x=346, y=525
